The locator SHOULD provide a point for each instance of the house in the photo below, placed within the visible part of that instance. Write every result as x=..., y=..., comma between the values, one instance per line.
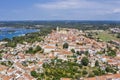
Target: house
x=65, y=79
x=92, y=51
x=27, y=77
x=104, y=58
x=3, y=69
x=105, y=77
x=7, y=77
x=48, y=48
x=62, y=54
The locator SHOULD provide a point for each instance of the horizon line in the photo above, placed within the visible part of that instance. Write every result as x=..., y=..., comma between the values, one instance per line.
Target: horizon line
x=54, y=20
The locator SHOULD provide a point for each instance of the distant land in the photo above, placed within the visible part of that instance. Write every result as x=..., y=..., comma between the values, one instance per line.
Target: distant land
x=79, y=21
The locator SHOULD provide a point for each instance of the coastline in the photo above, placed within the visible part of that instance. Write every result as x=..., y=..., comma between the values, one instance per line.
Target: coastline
x=16, y=32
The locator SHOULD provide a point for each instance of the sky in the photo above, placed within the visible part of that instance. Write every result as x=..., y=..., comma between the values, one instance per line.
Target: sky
x=59, y=10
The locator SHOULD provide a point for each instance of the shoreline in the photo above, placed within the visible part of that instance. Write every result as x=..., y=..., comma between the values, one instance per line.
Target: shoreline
x=17, y=32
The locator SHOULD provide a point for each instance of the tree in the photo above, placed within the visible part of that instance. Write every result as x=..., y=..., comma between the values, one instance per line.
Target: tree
x=34, y=74
x=96, y=63
x=39, y=79
x=112, y=53
x=78, y=53
x=72, y=50
x=118, y=35
x=91, y=75
x=107, y=69
x=80, y=65
x=10, y=63
x=38, y=48
x=110, y=69
x=85, y=61
x=86, y=53
x=11, y=44
x=90, y=35
x=30, y=50
x=6, y=39
x=65, y=45
x=102, y=72
x=0, y=56
x=96, y=72
x=56, y=45
x=34, y=50
x=84, y=72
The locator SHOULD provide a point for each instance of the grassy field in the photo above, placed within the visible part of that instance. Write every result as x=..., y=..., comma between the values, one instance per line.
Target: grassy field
x=106, y=36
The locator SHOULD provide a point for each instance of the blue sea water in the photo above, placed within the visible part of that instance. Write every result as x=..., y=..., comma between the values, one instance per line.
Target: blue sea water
x=10, y=32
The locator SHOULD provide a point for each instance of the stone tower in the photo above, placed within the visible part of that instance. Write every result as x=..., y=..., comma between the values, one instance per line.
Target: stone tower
x=57, y=29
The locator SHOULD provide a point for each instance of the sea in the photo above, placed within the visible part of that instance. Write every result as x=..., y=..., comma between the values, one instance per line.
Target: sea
x=10, y=32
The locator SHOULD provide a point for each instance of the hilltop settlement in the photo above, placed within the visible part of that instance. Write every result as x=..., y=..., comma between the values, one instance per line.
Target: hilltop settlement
x=64, y=54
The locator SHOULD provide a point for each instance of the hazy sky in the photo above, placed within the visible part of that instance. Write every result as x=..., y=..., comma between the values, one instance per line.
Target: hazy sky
x=59, y=9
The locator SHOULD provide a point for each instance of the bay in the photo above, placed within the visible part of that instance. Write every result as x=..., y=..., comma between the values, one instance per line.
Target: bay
x=10, y=32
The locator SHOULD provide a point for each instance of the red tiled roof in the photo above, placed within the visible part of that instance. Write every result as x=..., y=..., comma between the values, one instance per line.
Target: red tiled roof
x=65, y=79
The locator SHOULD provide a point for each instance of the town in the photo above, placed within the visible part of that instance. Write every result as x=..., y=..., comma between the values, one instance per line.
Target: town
x=64, y=54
